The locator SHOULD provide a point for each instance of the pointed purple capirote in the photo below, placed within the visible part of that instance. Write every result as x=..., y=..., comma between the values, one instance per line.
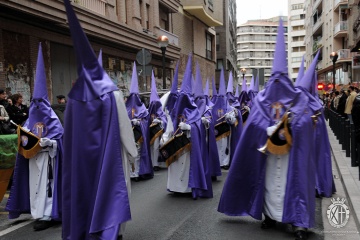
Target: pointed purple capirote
x=100, y=58
x=192, y=85
x=154, y=95
x=280, y=60
x=214, y=92
x=134, y=87
x=301, y=72
x=222, y=84
x=206, y=90
x=252, y=83
x=41, y=111
x=308, y=82
x=174, y=85
x=244, y=86
x=198, y=91
x=92, y=76
x=237, y=91
x=230, y=86
x=40, y=90
x=186, y=83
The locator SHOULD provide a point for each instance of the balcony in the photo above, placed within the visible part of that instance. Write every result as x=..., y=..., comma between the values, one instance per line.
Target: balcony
x=337, y=4
x=173, y=39
x=344, y=55
x=316, y=4
x=317, y=25
x=317, y=44
x=210, y=12
x=97, y=6
x=340, y=29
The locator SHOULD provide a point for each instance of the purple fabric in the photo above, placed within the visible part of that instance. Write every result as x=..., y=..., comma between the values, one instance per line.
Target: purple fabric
x=243, y=191
x=244, y=86
x=137, y=110
x=222, y=90
x=175, y=82
x=153, y=95
x=230, y=86
x=243, y=98
x=252, y=83
x=237, y=91
x=206, y=89
x=301, y=72
x=95, y=198
x=100, y=58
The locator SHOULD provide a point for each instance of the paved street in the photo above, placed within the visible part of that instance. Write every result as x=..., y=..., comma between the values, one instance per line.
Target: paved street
x=160, y=215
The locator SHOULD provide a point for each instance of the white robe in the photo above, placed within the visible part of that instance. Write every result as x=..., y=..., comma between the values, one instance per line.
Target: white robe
x=128, y=146
x=222, y=144
x=178, y=171
x=40, y=203
x=275, y=185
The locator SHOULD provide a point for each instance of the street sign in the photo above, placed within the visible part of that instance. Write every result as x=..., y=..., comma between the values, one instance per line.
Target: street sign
x=143, y=56
x=147, y=69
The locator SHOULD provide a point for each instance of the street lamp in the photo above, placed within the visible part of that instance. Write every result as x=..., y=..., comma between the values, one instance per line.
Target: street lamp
x=243, y=71
x=163, y=42
x=334, y=57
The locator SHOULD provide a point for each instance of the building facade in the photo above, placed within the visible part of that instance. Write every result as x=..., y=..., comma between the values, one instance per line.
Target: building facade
x=256, y=45
x=226, y=42
x=327, y=31
x=354, y=38
x=296, y=36
x=121, y=28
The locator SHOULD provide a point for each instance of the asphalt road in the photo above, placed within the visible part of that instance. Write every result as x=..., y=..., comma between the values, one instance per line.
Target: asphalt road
x=160, y=215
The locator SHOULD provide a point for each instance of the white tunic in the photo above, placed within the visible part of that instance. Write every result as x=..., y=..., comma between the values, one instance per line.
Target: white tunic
x=40, y=203
x=275, y=185
x=128, y=146
x=222, y=144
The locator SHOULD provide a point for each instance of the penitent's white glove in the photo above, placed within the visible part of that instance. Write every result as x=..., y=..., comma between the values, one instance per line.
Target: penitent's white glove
x=156, y=120
x=185, y=127
x=45, y=142
x=205, y=121
x=230, y=117
x=135, y=122
x=247, y=108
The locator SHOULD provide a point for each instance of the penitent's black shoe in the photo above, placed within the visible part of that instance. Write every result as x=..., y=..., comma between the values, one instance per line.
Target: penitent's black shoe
x=42, y=225
x=300, y=235
x=268, y=223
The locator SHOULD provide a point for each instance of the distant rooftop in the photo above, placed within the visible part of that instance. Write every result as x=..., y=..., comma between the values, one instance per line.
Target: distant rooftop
x=269, y=21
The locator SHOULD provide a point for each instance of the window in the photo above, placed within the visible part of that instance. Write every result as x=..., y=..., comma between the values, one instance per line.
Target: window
x=164, y=18
x=219, y=64
x=217, y=42
x=209, y=50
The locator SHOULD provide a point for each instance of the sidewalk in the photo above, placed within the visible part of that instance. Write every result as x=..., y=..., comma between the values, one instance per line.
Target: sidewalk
x=348, y=186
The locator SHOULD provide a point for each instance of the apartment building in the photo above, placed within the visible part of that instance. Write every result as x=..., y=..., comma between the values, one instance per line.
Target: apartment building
x=296, y=36
x=256, y=45
x=354, y=38
x=327, y=31
x=226, y=42
x=121, y=28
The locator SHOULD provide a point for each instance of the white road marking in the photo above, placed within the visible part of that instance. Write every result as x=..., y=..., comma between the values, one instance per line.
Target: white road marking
x=17, y=226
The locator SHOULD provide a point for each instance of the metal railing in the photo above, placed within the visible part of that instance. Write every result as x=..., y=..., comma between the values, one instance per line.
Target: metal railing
x=344, y=130
x=341, y=26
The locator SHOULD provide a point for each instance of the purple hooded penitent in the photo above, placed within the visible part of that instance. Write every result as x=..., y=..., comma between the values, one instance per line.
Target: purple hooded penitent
x=243, y=97
x=233, y=101
x=41, y=117
x=186, y=110
x=95, y=198
x=243, y=192
x=325, y=185
x=209, y=153
x=301, y=72
x=155, y=108
x=137, y=110
x=251, y=91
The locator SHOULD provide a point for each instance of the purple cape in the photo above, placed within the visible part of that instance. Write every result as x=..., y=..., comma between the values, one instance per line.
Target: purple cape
x=243, y=192
x=325, y=185
x=95, y=197
x=137, y=110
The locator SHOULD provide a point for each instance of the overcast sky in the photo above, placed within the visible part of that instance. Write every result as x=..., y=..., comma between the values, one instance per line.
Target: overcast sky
x=260, y=9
